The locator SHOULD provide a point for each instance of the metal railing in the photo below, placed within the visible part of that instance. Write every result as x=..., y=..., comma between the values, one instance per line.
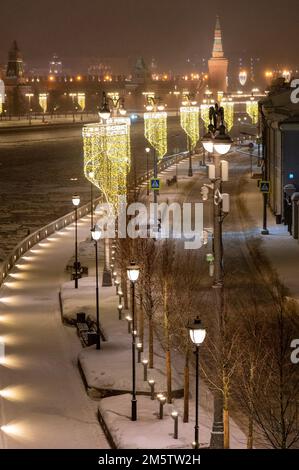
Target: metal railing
x=41, y=234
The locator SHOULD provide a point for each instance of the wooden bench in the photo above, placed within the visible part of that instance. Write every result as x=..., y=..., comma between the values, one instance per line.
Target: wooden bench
x=171, y=181
x=87, y=330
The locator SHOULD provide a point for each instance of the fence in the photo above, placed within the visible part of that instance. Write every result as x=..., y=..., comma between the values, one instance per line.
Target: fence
x=41, y=234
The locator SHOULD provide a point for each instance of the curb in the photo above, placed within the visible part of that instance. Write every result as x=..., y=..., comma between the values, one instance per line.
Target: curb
x=106, y=430
x=99, y=393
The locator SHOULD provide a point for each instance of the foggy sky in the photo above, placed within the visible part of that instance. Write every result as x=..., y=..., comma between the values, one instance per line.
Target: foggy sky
x=166, y=29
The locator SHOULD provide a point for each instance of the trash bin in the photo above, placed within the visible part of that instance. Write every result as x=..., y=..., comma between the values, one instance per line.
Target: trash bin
x=295, y=199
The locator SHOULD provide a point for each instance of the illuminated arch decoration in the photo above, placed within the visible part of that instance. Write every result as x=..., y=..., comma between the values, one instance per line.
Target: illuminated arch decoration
x=252, y=108
x=204, y=114
x=228, y=107
x=43, y=101
x=81, y=101
x=190, y=123
x=107, y=155
x=155, y=131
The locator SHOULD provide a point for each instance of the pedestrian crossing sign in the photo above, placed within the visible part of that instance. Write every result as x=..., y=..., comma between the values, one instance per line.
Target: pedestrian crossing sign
x=155, y=184
x=265, y=187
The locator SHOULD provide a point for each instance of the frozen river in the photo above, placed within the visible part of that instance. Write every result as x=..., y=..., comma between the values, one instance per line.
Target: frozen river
x=40, y=170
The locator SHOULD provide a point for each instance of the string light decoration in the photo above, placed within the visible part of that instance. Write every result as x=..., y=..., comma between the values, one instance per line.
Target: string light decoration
x=107, y=155
x=252, y=108
x=228, y=107
x=155, y=131
x=43, y=101
x=189, y=117
x=81, y=100
x=204, y=114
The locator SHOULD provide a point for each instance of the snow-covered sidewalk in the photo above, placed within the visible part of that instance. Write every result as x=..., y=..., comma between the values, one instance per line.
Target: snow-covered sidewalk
x=43, y=403
x=150, y=432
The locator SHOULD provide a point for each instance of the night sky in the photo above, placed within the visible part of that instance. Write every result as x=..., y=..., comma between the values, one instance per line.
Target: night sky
x=169, y=30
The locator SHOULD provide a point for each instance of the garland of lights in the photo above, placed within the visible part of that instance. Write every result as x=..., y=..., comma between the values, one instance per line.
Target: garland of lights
x=190, y=123
x=252, y=108
x=228, y=114
x=205, y=114
x=81, y=100
x=43, y=101
x=107, y=153
x=155, y=131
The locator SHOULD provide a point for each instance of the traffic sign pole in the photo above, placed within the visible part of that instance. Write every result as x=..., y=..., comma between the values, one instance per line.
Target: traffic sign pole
x=265, y=230
x=265, y=190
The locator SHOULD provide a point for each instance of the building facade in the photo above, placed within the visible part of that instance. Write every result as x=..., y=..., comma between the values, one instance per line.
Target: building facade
x=279, y=119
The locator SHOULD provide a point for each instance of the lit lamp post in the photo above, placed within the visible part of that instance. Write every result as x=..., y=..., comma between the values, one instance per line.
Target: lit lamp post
x=73, y=96
x=147, y=152
x=133, y=274
x=197, y=334
x=96, y=235
x=218, y=142
x=76, y=202
x=189, y=116
x=29, y=96
x=91, y=176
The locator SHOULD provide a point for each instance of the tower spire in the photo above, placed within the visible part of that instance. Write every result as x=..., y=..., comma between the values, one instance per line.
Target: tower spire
x=218, y=48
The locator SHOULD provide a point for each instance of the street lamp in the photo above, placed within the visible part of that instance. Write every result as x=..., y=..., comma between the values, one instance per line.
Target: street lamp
x=147, y=152
x=189, y=117
x=218, y=142
x=73, y=96
x=91, y=176
x=133, y=271
x=76, y=202
x=96, y=234
x=29, y=96
x=197, y=334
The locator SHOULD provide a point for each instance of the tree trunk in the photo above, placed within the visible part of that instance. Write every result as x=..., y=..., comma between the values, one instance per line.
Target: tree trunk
x=250, y=433
x=167, y=342
x=226, y=428
x=150, y=342
x=168, y=374
x=141, y=319
x=186, y=388
x=226, y=411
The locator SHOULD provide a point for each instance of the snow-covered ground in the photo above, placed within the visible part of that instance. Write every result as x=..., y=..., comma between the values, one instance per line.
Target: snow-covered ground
x=43, y=403
x=149, y=432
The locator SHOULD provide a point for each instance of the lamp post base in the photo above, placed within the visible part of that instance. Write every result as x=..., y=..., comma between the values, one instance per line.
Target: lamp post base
x=265, y=231
x=190, y=172
x=134, y=409
x=107, y=278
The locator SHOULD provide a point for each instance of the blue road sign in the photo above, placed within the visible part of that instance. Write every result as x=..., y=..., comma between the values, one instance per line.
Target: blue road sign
x=155, y=184
x=265, y=187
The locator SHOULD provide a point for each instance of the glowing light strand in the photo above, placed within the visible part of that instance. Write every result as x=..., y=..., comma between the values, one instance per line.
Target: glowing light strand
x=189, y=117
x=155, y=131
x=107, y=152
x=228, y=114
x=252, y=108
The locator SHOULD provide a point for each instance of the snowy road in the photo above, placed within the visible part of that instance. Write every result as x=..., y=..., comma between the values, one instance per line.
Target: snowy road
x=43, y=403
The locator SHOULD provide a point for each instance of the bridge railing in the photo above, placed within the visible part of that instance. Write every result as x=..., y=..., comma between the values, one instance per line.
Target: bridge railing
x=41, y=234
